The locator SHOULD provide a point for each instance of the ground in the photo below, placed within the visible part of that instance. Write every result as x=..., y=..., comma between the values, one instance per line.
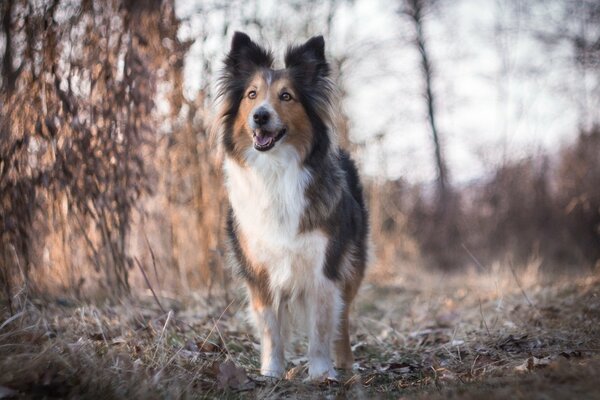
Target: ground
x=490, y=335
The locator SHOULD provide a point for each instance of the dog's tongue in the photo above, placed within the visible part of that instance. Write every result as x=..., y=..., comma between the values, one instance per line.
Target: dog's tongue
x=263, y=140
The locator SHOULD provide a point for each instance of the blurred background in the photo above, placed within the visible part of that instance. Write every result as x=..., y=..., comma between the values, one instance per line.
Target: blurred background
x=476, y=126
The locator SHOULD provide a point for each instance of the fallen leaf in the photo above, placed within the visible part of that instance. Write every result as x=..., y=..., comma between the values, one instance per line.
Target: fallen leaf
x=571, y=353
x=401, y=368
x=532, y=363
x=232, y=377
x=294, y=372
x=208, y=347
x=514, y=343
x=447, y=319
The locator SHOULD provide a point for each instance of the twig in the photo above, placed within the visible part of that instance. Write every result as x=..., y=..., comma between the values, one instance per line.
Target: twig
x=11, y=319
x=149, y=285
x=96, y=255
x=222, y=339
x=95, y=315
x=153, y=259
x=274, y=387
x=483, y=319
x=162, y=333
x=519, y=284
x=473, y=365
x=481, y=267
x=215, y=325
x=157, y=375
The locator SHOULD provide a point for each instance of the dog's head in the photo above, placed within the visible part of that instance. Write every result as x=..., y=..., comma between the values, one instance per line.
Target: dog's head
x=263, y=107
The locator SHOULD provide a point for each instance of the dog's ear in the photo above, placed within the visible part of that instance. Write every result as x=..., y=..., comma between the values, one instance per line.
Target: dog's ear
x=308, y=60
x=245, y=56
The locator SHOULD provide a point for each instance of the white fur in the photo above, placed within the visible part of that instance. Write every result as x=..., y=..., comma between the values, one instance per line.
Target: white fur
x=267, y=196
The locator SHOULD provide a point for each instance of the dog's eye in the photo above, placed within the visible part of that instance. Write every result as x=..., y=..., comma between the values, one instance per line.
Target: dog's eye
x=252, y=94
x=285, y=96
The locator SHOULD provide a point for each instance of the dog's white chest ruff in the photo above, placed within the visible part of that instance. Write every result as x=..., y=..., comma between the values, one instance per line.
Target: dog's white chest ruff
x=268, y=202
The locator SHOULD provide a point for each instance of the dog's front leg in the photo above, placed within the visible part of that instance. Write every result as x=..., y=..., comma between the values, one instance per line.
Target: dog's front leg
x=323, y=308
x=268, y=324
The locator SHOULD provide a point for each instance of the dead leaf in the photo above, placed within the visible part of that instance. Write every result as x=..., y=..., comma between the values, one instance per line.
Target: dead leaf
x=571, y=353
x=513, y=343
x=532, y=363
x=98, y=336
x=191, y=345
x=398, y=367
x=232, y=377
x=447, y=319
x=294, y=372
x=206, y=346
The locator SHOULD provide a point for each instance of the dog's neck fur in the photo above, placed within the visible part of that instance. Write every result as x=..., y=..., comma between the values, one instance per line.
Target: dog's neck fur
x=268, y=192
x=279, y=188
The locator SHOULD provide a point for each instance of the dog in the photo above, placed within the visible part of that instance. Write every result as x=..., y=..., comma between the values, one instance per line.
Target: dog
x=297, y=226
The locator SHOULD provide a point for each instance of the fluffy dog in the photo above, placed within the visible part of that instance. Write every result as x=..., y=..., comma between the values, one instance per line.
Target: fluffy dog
x=297, y=226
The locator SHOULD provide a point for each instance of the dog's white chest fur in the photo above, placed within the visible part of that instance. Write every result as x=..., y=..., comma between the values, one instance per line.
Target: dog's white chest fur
x=268, y=201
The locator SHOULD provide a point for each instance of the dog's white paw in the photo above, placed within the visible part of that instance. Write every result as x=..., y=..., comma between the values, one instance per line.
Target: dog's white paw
x=321, y=370
x=274, y=370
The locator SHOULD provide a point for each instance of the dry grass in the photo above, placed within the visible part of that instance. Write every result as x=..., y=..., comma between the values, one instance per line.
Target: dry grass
x=493, y=335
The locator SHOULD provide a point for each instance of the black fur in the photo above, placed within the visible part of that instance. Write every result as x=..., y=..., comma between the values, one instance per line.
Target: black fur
x=307, y=62
x=345, y=221
x=350, y=222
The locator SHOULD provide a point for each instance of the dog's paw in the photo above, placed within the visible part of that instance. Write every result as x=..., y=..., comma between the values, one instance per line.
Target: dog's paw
x=321, y=371
x=272, y=371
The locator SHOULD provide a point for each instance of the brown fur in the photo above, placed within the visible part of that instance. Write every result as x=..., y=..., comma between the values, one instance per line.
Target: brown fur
x=342, y=351
x=260, y=293
x=268, y=86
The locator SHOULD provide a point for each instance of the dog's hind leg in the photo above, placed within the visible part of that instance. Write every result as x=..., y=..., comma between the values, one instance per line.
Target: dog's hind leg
x=342, y=352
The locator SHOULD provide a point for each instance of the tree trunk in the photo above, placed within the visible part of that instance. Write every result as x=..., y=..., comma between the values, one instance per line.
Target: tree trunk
x=8, y=72
x=414, y=10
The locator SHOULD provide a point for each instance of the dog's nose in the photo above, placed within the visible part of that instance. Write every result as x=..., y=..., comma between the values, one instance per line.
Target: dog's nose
x=261, y=117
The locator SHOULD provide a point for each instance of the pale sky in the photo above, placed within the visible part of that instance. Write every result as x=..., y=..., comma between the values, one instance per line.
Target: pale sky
x=499, y=96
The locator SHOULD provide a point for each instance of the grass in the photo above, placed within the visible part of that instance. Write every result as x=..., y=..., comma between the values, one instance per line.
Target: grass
x=491, y=335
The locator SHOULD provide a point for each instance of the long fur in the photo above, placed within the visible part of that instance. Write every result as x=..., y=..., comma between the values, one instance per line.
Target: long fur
x=297, y=227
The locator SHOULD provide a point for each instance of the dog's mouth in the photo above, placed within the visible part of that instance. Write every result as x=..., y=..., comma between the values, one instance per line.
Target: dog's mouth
x=265, y=140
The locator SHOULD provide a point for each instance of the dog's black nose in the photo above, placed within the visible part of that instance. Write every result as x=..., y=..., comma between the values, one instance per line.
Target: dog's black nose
x=261, y=117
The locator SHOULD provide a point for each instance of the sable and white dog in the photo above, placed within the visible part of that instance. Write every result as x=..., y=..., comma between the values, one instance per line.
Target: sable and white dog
x=297, y=226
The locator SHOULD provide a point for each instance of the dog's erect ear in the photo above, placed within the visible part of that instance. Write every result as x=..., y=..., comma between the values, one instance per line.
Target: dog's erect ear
x=308, y=60
x=245, y=56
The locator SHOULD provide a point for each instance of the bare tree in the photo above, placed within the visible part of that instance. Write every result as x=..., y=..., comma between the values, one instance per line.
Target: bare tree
x=415, y=10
